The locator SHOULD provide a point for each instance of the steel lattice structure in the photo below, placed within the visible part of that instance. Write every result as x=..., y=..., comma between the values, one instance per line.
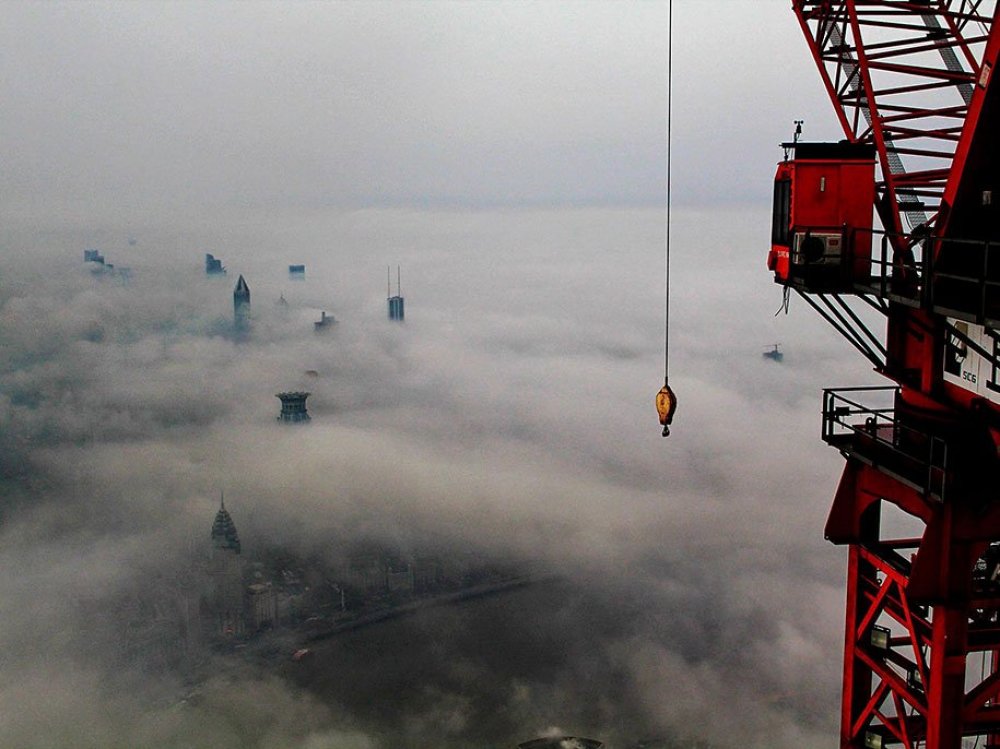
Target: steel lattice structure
x=913, y=83
x=901, y=75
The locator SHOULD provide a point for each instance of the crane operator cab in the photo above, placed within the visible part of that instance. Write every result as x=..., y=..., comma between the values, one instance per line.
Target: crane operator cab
x=821, y=229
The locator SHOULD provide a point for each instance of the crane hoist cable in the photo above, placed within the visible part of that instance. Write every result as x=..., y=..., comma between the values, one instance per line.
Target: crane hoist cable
x=666, y=401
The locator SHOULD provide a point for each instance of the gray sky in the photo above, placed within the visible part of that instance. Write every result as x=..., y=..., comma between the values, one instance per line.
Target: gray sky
x=150, y=107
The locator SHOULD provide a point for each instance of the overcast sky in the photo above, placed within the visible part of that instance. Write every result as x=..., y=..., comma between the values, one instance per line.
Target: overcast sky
x=511, y=156
x=149, y=107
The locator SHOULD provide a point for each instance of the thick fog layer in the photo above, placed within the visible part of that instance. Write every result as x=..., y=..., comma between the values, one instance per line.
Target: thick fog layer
x=511, y=415
x=510, y=158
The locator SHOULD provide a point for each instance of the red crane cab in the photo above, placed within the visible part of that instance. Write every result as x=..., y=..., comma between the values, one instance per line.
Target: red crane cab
x=821, y=229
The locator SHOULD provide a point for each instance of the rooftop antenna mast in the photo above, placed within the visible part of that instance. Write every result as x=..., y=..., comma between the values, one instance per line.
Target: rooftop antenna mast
x=666, y=401
x=395, y=302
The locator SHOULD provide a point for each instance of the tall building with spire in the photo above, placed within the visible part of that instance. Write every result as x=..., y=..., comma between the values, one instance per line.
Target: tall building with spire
x=396, y=310
x=241, y=305
x=224, y=535
x=225, y=573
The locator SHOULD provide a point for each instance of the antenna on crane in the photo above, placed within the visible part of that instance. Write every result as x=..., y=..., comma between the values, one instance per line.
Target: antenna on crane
x=786, y=146
x=666, y=401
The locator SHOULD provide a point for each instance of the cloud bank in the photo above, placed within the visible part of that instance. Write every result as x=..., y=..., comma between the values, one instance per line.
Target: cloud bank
x=511, y=416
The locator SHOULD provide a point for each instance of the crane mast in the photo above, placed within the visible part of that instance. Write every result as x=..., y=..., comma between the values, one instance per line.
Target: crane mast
x=913, y=86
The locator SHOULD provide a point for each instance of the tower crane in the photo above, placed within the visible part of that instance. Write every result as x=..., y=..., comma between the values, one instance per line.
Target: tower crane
x=913, y=85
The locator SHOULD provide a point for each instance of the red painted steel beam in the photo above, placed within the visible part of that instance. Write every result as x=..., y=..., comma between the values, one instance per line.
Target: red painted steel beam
x=907, y=77
x=845, y=38
x=972, y=125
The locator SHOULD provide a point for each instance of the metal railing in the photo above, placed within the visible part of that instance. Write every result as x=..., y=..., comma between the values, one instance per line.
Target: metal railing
x=967, y=286
x=876, y=435
x=898, y=279
x=964, y=280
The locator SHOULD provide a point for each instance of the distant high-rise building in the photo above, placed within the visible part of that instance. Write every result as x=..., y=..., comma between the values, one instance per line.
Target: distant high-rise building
x=224, y=535
x=396, y=310
x=297, y=272
x=213, y=266
x=293, y=407
x=262, y=607
x=93, y=256
x=225, y=572
x=241, y=304
x=324, y=322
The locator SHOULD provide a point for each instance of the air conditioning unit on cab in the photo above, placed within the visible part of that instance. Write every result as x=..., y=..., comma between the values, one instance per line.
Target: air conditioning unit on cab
x=817, y=250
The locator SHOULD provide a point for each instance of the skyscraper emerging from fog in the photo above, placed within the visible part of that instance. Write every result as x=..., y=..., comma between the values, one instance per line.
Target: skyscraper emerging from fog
x=241, y=305
x=395, y=302
x=213, y=266
x=224, y=535
x=225, y=575
x=293, y=407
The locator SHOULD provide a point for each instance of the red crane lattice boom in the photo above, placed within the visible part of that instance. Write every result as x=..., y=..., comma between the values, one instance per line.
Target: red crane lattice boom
x=901, y=76
x=912, y=85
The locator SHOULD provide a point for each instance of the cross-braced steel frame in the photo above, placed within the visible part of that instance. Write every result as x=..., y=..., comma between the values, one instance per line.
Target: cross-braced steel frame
x=900, y=75
x=922, y=634
x=922, y=626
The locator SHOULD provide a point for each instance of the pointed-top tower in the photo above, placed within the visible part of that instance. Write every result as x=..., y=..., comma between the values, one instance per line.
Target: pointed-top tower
x=241, y=304
x=224, y=535
x=225, y=577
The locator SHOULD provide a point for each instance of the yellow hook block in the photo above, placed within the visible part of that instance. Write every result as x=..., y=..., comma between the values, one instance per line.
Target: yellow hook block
x=666, y=404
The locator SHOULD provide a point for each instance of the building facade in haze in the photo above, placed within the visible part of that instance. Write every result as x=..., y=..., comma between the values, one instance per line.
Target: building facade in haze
x=396, y=307
x=213, y=266
x=241, y=305
x=225, y=577
x=293, y=407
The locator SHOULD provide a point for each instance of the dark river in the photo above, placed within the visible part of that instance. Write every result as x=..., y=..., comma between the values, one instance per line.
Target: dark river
x=488, y=672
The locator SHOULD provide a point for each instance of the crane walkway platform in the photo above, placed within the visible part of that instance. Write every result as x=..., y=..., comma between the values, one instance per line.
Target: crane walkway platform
x=863, y=424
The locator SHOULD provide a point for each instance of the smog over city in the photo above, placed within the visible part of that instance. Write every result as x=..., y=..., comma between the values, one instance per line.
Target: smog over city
x=479, y=536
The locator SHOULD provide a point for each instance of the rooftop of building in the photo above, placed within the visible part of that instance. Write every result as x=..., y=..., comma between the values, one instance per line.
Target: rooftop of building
x=224, y=535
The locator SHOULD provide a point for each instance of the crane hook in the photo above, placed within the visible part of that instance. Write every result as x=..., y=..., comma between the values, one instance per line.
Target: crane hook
x=666, y=404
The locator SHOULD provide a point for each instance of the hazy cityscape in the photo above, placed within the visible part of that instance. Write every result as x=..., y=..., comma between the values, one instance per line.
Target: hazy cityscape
x=330, y=335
